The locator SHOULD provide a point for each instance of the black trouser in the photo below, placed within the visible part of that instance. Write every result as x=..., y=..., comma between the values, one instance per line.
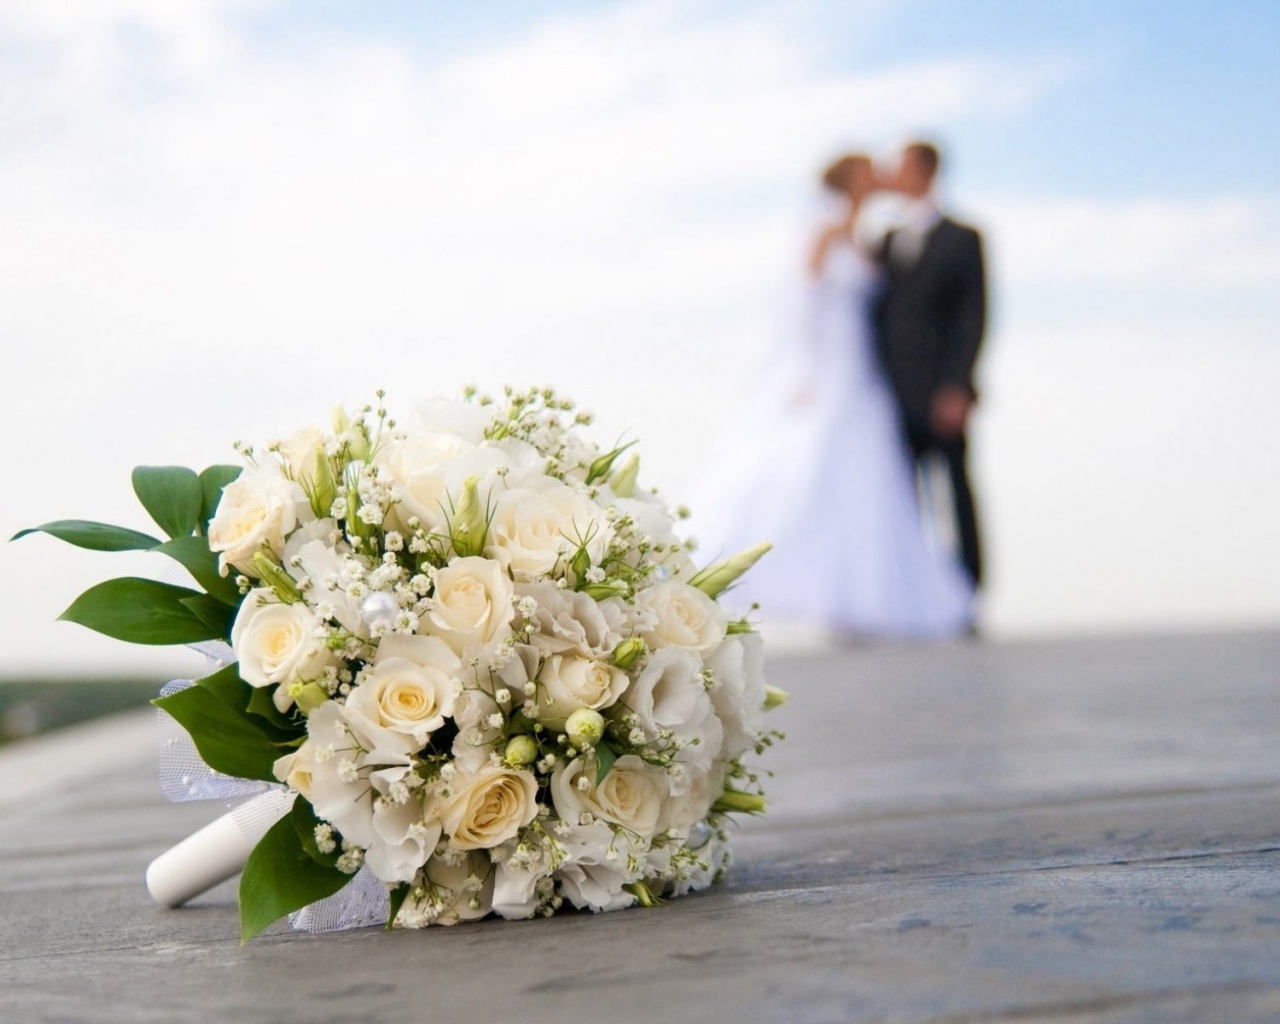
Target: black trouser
x=924, y=442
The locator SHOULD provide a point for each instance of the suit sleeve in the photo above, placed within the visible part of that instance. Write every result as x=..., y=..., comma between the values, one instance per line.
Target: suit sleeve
x=969, y=320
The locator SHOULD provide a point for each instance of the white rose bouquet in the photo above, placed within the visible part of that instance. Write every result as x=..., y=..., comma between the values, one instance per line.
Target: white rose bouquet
x=472, y=653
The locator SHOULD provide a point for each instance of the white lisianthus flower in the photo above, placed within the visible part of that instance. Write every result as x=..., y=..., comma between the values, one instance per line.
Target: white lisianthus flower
x=630, y=795
x=738, y=691
x=652, y=520
x=668, y=694
x=686, y=808
x=315, y=555
x=465, y=420
x=538, y=526
x=410, y=689
x=568, y=682
x=460, y=889
x=684, y=617
x=256, y=512
x=344, y=765
x=402, y=838
x=471, y=605
x=596, y=869
x=429, y=468
x=569, y=620
x=486, y=809
x=278, y=644
x=477, y=734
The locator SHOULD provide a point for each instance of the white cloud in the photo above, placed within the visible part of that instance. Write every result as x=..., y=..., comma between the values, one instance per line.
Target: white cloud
x=1213, y=242
x=208, y=238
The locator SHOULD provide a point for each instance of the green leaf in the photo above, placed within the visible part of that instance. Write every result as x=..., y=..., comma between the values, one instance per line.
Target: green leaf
x=212, y=481
x=245, y=700
x=193, y=554
x=140, y=611
x=605, y=756
x=212, y=613
x=85, y=533
x=172, y=496
x=305, y=821
x=280, y=877
x=226, y=738
x=396, y=897
x=260, y=704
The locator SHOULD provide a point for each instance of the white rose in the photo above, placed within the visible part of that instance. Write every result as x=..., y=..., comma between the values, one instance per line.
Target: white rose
x=256, y=512
x=410, y=689
x=738, y=691
x=471, y=605
x=486, y=809
x=685, y=617
x=300, y=452
x=630, y=795
x=568, y=682
x=538, y=526
x=278, y=643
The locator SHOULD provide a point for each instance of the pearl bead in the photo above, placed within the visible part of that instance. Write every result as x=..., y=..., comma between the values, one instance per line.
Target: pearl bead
x=379, y=608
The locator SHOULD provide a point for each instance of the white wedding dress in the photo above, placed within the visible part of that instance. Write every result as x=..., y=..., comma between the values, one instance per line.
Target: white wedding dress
x=828, y=480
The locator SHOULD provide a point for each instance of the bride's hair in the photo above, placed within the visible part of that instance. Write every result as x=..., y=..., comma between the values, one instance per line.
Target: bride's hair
x=839, y=171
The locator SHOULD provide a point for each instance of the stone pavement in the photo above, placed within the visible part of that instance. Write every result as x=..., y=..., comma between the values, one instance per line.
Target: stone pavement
x=1066, y=831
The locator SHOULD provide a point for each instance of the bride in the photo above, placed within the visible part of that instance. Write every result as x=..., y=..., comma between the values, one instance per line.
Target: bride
x=816, y=464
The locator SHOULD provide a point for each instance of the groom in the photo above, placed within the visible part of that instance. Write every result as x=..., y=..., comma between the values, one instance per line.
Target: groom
x=930, y=319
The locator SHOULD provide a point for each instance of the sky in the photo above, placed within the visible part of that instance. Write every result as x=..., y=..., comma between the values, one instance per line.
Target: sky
x=222, y=218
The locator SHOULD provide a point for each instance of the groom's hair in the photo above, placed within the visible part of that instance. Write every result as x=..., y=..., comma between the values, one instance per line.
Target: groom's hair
x=926, y=156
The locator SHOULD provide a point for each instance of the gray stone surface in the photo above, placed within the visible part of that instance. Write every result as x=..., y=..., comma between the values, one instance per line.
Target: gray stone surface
x=1075, y=831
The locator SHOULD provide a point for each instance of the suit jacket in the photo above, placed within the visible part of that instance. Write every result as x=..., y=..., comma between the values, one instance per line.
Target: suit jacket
x=930, y=317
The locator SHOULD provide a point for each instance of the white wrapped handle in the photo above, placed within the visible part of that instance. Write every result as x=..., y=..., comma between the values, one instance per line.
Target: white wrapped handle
x=215, y=853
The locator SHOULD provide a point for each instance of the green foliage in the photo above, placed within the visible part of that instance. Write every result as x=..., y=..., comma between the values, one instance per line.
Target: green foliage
x=141, y=611
x=172, y=496
x=280, y=877
x=605, y=758
x=227, y=738
x=84, y=533
x=144, y=611
x=193, y=554
x=304, y=819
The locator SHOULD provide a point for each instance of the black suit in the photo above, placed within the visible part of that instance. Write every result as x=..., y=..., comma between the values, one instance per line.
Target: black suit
x=930, y=317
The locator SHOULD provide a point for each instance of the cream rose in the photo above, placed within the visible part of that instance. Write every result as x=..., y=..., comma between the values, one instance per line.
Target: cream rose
x=568, y=682
x=684, y=617
x=278, y=643
x=535, y=527
x=630, y=795
x=257, y=511
x=471, y=604
x=485, y=810
x=300, y=452
x=410, y=689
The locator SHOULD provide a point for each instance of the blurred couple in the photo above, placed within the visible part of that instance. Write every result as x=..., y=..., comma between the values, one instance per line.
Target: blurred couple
x=850, y=454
